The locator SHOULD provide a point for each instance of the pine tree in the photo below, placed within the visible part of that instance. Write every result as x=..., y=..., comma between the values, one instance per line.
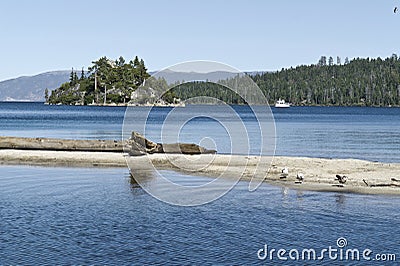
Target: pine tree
x=136, y=62
x=82, y=74
x=46, y=95
x=322, y=61
x=120, y=62
x=71, y=77
x=330, y=61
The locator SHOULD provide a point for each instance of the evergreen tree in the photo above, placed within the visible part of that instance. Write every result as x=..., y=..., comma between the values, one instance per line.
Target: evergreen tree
x=71, y=77
x=46, y=94
x=82, y=74
x=136, y=62
x=330, y=61
x=120, y=62
x=111, y=79
x=322, y=61
x=367, y=82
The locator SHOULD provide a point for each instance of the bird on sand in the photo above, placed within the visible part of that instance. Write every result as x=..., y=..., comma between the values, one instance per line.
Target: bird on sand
x=341, y=179
x=395, y=10
x=300, y=177
x=285, y=172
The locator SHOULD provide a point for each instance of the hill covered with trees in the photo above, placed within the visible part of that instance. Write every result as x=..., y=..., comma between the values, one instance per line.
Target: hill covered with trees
x=367, y=82
x=359, y=82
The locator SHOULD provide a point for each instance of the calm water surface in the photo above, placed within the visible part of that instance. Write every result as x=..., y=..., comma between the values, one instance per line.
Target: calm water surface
x=330, y=132
x=98, y=216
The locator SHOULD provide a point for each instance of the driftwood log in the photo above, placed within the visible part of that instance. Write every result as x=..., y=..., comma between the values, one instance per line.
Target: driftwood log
x=139, y=145
x=60, y=144
x=136, y=145
x=383, y=184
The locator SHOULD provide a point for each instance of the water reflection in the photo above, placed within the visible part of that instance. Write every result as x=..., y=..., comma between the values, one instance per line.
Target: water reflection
x=300, y=195
x=142, y=177
x=285, y=193
x=340, y=199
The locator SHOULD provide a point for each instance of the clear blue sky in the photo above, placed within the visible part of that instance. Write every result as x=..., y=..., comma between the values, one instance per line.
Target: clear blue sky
x=40, y=35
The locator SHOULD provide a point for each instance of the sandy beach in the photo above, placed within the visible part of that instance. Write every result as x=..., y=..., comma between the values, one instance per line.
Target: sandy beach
x=319, y=174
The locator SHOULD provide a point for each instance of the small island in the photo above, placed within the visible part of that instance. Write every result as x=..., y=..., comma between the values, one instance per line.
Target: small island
x=110, y=83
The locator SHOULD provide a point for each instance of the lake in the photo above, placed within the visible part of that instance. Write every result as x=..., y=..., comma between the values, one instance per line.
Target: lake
x=328, y=132
x=55, y=215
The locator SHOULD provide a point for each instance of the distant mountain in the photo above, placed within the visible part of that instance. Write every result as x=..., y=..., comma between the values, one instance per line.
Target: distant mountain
x=253, y=73
x=31, y=88
x=173, y=76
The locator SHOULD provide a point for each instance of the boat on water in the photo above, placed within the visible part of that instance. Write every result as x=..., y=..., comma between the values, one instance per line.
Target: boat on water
x=282, y=104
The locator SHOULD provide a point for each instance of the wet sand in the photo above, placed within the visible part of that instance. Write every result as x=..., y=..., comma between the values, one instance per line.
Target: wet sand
x=319, y=174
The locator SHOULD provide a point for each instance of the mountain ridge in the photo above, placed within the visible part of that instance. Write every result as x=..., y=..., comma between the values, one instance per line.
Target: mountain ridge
x=31, y=88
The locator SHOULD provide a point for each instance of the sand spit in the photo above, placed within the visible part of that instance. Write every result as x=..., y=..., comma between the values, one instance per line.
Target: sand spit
x=319, y=174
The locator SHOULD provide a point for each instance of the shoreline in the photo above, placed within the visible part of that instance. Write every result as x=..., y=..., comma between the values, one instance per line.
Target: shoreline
x=319, y=174
x=151, y=105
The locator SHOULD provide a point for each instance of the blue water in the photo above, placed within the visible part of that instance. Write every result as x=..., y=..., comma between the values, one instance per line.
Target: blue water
x=64, y=216
x=96, y=216
x=330, y=132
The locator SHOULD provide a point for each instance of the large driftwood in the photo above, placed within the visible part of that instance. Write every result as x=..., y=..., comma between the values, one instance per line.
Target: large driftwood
x=60, y=144
x=139, y=145
x=136, y=145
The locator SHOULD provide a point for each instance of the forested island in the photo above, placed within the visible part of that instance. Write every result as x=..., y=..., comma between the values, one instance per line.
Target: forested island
x=359, y=82
x=106, y=82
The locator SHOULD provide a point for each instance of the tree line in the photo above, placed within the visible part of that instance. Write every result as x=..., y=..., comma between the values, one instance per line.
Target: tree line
x=357, y=82
x=365, y=82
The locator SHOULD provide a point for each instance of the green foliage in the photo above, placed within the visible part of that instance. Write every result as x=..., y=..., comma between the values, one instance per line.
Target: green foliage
x=120, y=79
x=203, y=89
x=169, y=96
x=361, y=82
x=114, y=98
x=46, y=94
x=82, y=74
x=369, y=82
x=366, y=82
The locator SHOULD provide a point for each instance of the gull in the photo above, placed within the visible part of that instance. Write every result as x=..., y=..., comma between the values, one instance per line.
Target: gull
x=341, y=179
x=395, y=10
x=285, y=172
x=300, y=177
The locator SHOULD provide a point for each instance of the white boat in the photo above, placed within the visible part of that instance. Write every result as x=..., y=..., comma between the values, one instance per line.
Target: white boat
x=282, y=104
